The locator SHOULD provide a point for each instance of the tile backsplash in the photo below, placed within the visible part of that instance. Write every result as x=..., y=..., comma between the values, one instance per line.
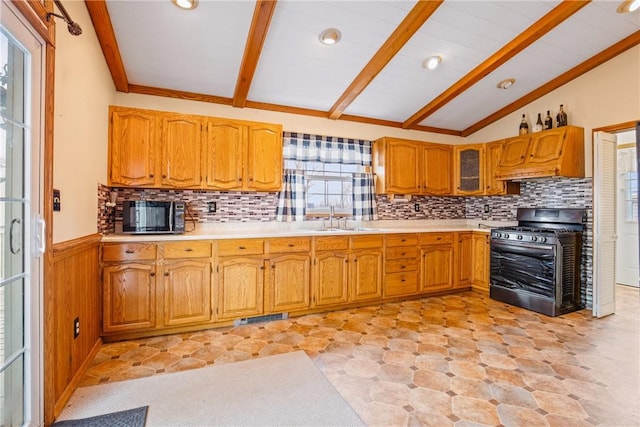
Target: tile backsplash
x=251, y=206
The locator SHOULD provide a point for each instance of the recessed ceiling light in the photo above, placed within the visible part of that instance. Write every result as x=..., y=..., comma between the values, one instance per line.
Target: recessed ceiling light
x=186, y=4
x=628, y=6
x=506, y=83
x=330, y=36
x=431, y=62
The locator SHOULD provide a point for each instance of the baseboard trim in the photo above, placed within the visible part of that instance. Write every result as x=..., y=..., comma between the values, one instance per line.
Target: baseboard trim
x=73, y=384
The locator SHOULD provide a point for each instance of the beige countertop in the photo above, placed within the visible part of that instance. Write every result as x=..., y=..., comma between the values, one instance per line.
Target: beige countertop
x=247, y=230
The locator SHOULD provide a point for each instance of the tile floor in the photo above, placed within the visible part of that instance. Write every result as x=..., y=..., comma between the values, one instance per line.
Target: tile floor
x=462, y=360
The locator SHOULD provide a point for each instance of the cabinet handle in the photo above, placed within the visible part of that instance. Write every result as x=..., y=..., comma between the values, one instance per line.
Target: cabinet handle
x=402, y=280
x=439, y=238
x=403, y=253
x=188, y=250
x=164, y=176
x=151, y=175
x=262, y=267
x=403, y=267
x=152, y=274
x=129, y=251
x=166, y=274
x=242, y=247
x=291, y=245
x=240, y=179
x=403, y=240
x=273, y=266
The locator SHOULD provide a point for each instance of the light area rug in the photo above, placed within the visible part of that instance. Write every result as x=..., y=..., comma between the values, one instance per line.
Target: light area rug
x=281, y=390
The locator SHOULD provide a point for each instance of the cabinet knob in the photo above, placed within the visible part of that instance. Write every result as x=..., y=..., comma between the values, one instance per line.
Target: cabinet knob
x=150, y=175
x=188, y=250
x=291, y=245
x=166, y=274
x=273, y=266
x=152, y=274
x=242, y=247
x=129, y=251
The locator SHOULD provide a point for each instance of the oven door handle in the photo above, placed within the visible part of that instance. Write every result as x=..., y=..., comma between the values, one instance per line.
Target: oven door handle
x=522, y=248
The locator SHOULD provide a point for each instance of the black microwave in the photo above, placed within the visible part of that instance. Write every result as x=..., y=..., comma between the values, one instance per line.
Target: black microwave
x=148, y=217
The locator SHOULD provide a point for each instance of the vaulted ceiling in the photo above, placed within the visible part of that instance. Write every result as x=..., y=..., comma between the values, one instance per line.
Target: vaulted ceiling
x=267, y=55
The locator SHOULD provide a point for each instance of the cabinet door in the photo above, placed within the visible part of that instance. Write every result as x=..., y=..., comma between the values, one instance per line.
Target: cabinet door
x=436, y=169
x=132, y=152
x=468, y=170
x=289, y=283
x=546, y=147
x=187, y=292
x=240, y=287
x=437, y=267
x=480, y=255
x=366, y=275
x=181, y=150
x=514, y=152
x=129, y=294
x=330, y=284
x=264, y=158
x=403, y=167
x=493, y=153
x=464, y=259
x=224, y=154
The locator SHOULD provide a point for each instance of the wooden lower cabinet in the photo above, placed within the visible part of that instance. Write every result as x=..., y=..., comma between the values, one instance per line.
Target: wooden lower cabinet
x=481, y=261
x=402, y=272
x=129, y=297
x=288, y=286
x=437, y=261
x=331, y=278
x=240, y=287
x=365, y=275
x=464, y=260
x=187, y=292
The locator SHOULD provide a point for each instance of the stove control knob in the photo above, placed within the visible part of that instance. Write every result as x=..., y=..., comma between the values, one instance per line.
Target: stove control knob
x=505, y=235
x=497, y=235
x=542, y=239
x=519, y=237
x=533, y=238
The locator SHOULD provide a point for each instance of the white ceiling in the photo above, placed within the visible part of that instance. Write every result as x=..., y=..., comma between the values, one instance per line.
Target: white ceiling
x=201, y=51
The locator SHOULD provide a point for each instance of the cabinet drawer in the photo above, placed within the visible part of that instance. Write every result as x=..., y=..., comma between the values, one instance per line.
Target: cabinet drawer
x=436, y=238
x=400, y=284
x=402, y=252
x=288, y=245
x=402, y=240
x=329, y=243
x=240, y=247
x=363, y=242
x=129, y=251
x=187, y=250
x=400, y=265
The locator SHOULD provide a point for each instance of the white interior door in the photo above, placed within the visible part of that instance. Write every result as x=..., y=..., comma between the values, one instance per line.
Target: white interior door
x=627, y=269
x=21, y=96
x=604, y=223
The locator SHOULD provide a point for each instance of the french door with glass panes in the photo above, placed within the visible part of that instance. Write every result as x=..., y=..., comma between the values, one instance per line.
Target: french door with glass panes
x=21, y=227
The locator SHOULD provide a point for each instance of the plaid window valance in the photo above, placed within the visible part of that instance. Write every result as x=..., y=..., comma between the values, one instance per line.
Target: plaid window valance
x=327, y=149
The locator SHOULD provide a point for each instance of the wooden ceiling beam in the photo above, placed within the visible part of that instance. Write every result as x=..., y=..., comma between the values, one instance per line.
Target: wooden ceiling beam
x=536, y=31
x=580, y=69
x=179, y=94
x=407, y=28
x=104, y=30
x=255, y=40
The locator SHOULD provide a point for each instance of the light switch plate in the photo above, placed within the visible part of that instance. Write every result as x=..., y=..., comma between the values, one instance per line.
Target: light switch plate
x=56, y=200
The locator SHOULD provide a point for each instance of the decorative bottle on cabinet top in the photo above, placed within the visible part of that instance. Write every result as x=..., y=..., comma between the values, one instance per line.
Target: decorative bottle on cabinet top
x=538, y=126
x=561, y=118
x=524, y=126
x=548, y=121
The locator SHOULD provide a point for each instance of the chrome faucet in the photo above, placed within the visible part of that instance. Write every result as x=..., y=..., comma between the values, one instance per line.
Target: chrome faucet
x=331, y=213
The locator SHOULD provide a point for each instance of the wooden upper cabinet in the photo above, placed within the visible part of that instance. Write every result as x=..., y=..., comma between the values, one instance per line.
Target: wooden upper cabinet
x=132, y=147
x=493, y=186
x=167, y=150
x=411, y=167
x=224, y=155
x=181, y=150
x=469, y=169
x=264, y=157
x=436, y=169
x=554, y=152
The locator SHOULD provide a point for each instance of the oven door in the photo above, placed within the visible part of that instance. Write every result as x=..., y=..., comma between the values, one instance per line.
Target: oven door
x=531, y=267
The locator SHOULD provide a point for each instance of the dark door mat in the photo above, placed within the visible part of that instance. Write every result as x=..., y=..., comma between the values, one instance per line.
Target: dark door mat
x=130, y=418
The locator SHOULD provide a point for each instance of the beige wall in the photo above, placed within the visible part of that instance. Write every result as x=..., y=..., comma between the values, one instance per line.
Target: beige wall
x=607, y=95
x=83, y=91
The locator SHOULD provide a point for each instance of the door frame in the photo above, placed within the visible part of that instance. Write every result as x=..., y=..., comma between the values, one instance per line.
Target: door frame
x=615, y=128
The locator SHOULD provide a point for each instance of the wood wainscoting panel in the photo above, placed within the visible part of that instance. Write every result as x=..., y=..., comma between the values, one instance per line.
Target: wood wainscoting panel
x=75, y=294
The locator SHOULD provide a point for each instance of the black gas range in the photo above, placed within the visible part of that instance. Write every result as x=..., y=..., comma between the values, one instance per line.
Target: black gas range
x=536, y=264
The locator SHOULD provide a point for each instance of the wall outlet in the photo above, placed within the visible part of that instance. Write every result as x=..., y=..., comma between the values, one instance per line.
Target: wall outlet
x=211, y=207
x=416, y=207
x=56, y=200
x=487, y=208
x=76, y=327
